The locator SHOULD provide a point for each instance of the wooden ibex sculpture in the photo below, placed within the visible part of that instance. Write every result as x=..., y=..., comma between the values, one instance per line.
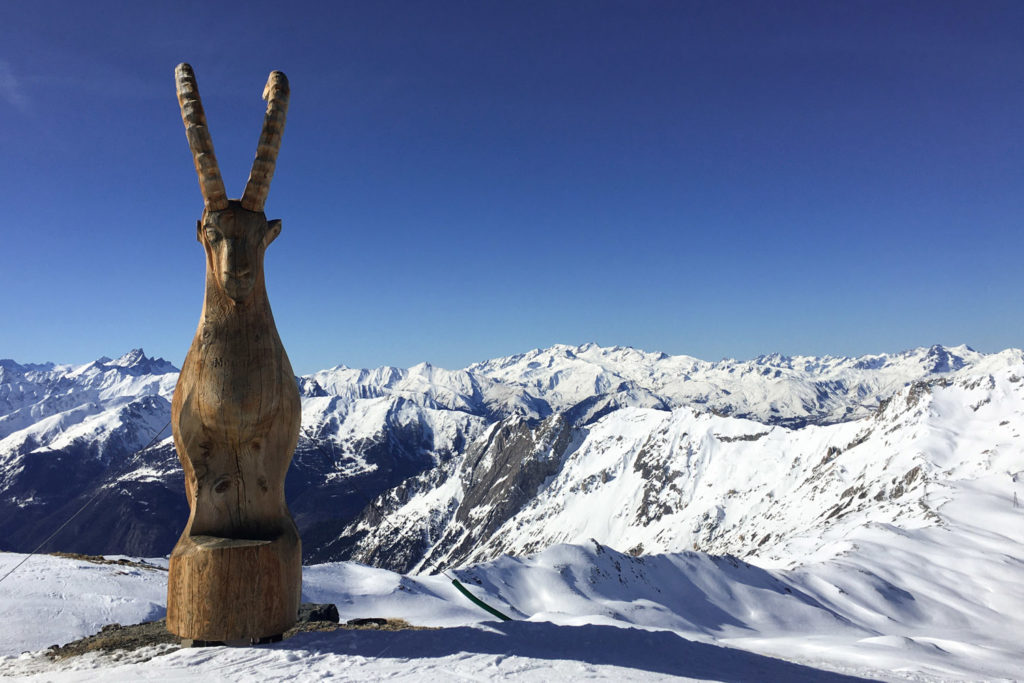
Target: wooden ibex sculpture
x=236, y=571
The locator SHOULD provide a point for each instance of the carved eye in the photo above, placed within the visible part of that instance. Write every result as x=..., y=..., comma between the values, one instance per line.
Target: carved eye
x=212, y=235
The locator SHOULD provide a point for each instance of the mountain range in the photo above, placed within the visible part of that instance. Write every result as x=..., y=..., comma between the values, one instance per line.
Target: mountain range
x=421, y=469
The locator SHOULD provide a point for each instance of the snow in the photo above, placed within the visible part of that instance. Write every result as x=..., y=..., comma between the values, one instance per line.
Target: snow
x=663, y=481
x=936, y=596
x=828, y=389
x=55, y=600
x=58, y=404
x=926, y=604
x=883, y=541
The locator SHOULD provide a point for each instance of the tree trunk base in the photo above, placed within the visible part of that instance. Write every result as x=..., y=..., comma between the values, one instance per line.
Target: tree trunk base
x=230, y=590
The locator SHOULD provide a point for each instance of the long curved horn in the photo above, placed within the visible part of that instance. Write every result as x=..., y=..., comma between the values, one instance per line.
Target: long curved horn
x=256, y=190
x=199, y=140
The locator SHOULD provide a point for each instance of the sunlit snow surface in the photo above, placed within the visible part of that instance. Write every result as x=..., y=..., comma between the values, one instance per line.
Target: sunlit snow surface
x=887, y=547
x=938, y=602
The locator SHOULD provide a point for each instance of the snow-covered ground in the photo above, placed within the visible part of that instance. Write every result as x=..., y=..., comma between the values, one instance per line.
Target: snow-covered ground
x=889, y=546
x=579, y=636
x=942, y=602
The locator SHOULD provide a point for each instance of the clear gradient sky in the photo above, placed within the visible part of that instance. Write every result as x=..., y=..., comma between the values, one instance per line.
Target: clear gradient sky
x=464, y=180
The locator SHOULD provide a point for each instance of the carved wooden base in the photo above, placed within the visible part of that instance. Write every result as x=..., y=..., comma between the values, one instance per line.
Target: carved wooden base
x=225, y=589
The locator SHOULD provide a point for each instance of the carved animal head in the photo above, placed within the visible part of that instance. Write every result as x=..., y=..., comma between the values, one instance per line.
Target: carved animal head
x=234, y=233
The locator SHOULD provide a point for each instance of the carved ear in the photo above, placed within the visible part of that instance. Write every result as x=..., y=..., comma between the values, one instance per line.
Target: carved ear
x=273, y=230
x=199, y=232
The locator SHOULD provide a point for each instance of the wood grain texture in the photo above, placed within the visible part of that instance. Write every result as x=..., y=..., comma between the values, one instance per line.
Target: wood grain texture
x=257, y=188
x=199, y=140
x=245, y=576
x=236, y=572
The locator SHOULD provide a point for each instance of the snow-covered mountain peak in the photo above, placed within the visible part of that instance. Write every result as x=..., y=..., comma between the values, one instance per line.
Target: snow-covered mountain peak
x=130, y=359
x=775, y=358
x=11, y=370
x=773, y=388
x=138, y=362
x=67, y=393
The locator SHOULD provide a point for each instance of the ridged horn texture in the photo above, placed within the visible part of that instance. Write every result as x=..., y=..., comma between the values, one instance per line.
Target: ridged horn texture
x=199, y=140
x=256, y=190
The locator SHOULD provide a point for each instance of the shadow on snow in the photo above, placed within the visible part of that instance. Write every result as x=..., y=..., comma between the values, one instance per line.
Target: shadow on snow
x=659, y=652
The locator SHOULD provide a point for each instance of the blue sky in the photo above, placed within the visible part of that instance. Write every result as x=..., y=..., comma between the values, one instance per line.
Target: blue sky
x=464, y=180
